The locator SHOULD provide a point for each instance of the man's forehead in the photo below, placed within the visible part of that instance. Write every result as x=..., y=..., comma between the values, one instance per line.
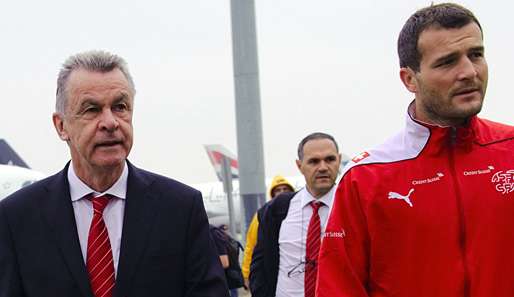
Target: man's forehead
x=436, y=38
x=322, y=146
x=82, y=80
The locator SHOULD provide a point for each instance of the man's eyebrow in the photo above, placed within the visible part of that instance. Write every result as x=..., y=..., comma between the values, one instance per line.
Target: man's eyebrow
x=479, y=48
x=122, y=97
x=453, y=55
x=445, y=58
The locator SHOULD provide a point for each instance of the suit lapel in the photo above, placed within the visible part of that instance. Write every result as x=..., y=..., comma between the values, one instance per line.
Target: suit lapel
x=140, y=210
x=58, y=213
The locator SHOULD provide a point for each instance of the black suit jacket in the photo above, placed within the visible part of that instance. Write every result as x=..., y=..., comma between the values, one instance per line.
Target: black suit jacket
x=165, y=245
x=265, y=258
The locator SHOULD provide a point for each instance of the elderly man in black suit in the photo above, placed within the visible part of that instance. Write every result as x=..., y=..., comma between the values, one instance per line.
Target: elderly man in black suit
x=102, y=227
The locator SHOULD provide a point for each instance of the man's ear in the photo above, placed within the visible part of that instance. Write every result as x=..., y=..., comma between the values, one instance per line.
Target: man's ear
x=58, y=120
x=409, y=80
x=299, y=165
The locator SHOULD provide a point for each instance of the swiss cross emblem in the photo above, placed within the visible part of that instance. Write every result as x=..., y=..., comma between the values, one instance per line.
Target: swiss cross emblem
x=504, y=181
x=360, y=157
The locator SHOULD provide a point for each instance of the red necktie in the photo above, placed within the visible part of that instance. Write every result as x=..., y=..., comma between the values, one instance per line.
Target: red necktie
x=312, y=250
x=100, y=264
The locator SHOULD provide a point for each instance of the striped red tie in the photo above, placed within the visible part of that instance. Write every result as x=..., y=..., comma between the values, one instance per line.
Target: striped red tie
x=312, y=250
x=100, y=264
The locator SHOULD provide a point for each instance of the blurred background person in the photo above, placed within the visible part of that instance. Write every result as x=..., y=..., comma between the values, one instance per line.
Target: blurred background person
x=228, y=249
x=278, y=185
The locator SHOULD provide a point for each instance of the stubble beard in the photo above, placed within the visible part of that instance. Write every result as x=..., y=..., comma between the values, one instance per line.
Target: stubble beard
x=444, y=111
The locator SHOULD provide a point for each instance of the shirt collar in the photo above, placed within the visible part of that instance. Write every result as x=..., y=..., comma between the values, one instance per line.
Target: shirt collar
x=78, y=189
x=326, y=199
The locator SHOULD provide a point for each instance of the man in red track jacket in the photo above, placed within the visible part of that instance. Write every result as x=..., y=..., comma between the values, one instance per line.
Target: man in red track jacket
x=431, y=211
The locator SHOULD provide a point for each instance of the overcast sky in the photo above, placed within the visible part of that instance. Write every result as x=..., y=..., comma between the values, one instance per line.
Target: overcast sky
x=326, y=65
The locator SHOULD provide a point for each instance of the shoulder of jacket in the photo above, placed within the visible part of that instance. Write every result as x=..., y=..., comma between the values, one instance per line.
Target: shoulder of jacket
x=490, y=132
x=276, y=205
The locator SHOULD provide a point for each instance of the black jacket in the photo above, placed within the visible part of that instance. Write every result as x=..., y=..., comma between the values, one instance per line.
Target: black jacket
x=265, y=259
x=165, y=251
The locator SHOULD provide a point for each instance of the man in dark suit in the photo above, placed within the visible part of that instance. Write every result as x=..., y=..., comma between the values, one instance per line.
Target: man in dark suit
x=284, y=261
x=102, y=227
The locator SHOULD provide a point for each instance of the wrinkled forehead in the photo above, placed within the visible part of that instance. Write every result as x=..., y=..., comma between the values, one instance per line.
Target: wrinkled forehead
x=96, y=87
x=82, y=80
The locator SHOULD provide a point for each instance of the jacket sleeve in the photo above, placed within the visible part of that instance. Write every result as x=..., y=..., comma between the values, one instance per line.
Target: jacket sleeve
x=204, y=275
x=10, y=281
x=258, y=283
x=251, y=240
x=343, y=259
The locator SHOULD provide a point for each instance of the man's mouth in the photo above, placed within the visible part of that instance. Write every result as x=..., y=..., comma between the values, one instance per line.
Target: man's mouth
x=466, y=91
x=108, y=143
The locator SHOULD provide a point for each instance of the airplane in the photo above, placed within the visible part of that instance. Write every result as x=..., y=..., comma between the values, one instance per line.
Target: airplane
x=215, y=199
x=13, y=178
x=14, y=172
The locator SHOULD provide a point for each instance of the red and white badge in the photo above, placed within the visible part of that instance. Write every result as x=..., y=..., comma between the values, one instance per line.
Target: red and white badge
x=360, y=157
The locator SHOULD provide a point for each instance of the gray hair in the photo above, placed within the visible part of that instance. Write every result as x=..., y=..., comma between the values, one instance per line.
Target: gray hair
x=97, y=61
x=312, y=136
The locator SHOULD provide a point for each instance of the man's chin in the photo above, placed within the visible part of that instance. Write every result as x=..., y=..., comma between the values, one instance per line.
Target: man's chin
x=468, y=110
x=109, y=162
x=468, y=106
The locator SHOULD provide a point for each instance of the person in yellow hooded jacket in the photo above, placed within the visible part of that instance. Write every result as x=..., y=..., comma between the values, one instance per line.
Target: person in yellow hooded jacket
x=278, y=185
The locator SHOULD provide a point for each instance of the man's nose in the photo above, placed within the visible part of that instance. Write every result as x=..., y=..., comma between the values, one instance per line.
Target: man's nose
x=108, y=120
x=467, y=69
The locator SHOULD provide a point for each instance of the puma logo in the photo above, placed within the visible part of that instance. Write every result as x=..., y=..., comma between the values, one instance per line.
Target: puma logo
x=394, y=195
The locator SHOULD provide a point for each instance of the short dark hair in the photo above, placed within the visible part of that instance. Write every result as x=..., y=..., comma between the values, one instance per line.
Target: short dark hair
x=312, y=136
x=444, y=15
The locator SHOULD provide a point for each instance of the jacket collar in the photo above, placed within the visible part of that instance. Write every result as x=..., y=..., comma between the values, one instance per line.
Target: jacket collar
x=440, y=137
x=141, y=207
x=58, y=213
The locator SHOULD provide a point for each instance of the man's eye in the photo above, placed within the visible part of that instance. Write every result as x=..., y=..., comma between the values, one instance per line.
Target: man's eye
x=120, y=107
x=476, y=55
x=91, y=109
x=330, y=159
x=445, y=63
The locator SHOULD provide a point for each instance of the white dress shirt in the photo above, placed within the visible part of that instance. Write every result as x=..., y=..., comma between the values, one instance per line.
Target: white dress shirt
x=292, y=237
x=113, y=212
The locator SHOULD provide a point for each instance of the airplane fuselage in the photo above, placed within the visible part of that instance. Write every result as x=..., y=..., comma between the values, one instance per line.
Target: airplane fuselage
x=13, y=178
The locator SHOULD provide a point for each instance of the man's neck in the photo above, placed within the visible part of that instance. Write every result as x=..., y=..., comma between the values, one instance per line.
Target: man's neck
x=425, y=116
x=317, y=195
x=99, y=179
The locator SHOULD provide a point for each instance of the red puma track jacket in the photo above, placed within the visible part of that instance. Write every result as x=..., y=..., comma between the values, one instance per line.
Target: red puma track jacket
x=428, y=213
